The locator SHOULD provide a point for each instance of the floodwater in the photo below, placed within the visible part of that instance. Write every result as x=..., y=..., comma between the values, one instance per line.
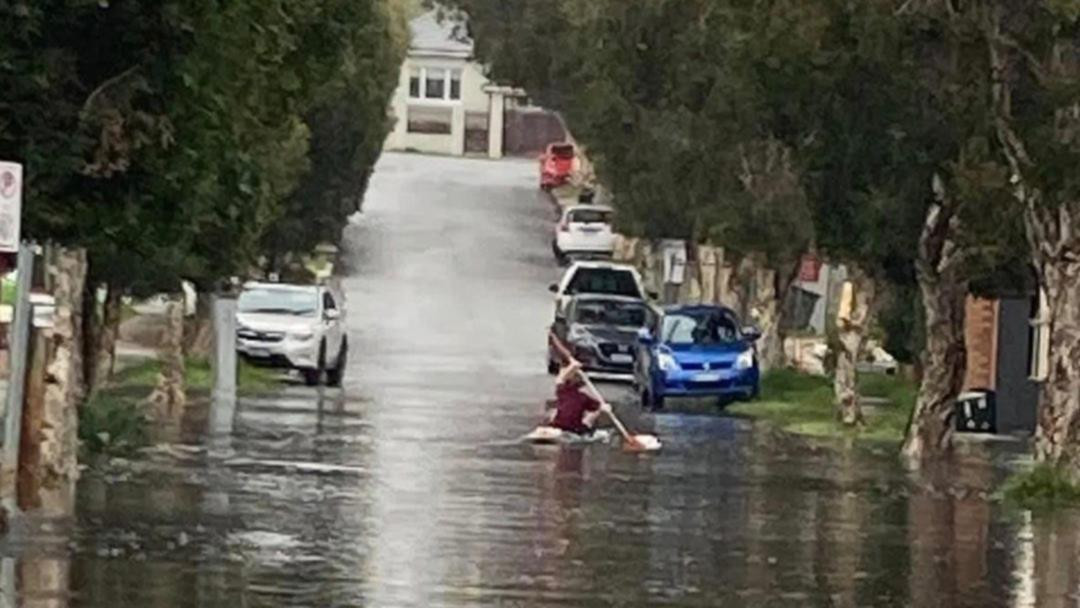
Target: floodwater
x=407, y=487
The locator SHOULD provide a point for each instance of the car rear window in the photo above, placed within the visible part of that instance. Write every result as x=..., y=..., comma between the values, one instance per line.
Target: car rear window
x=563, y=152
x=601, y=312
x=604, y=280
x=590, y=216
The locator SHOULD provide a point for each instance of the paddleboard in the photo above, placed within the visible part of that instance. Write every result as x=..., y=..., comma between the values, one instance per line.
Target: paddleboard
x=550, y=434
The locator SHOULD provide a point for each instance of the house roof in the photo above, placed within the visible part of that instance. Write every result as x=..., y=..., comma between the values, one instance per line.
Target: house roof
x=434, y=36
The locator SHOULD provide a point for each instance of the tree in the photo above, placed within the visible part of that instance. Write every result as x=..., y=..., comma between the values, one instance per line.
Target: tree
x=166, y=137
x=1035, y=94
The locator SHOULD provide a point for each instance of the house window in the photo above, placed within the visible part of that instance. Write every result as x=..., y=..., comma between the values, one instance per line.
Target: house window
x=435, y=84
x=1039, y=339
x=455, y=84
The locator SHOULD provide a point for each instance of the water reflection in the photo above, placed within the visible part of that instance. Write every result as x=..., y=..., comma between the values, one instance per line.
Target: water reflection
x=346, y=507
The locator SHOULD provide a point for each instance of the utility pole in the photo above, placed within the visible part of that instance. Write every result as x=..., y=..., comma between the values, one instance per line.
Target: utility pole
x=223, y=363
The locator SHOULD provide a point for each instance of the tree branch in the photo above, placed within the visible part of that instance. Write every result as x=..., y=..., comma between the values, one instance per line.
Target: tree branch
x=107, y=84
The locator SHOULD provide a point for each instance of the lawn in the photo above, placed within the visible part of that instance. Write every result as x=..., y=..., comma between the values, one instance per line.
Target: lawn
x=114, y=422
x=803, y=404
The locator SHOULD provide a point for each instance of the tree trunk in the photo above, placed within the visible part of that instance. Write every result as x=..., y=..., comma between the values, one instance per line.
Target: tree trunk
x=851, y=325
x=91, y=326
x=930, y=430
x=1057, y=436
x=752, y=289
x=168, y=398
x=113, y=315
x=198, y=329
x=63, y=383
x=102, y=325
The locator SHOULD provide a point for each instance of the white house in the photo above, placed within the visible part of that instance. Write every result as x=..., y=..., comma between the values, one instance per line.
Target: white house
x=444, y=103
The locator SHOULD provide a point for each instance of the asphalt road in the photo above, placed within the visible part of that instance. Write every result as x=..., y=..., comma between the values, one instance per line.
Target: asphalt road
x=409, y=486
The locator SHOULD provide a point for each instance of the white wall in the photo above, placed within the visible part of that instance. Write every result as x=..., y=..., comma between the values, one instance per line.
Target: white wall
x=473, y=99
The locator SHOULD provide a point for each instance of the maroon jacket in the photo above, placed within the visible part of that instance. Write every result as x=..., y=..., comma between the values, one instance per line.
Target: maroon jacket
x=570, y=408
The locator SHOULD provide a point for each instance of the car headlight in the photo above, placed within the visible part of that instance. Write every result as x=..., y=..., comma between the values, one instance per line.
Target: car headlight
x=581, y=336
x=666, y=362
x=745, y=360
x=301, y=336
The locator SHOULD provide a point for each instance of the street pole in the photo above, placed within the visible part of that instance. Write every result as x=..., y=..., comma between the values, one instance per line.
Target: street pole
x=223, y=364
x=13, y=399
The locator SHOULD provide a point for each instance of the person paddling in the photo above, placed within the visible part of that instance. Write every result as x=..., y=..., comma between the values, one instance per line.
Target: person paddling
x=576, y=410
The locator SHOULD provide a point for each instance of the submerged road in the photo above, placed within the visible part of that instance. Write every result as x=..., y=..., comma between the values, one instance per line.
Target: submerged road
x=408, y=487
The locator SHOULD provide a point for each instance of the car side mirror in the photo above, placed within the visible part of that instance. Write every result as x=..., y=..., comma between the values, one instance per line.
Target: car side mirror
x=553, y=288
x=751, y=333
x=644, y=336
x=652, y=294
x=332, y=314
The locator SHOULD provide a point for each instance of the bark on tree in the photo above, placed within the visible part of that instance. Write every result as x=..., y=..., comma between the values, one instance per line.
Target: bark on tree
x=930, y=430
x=1057, y=436
x=169, y=397
x=66, y=270
x=102, y=325
x=851, y=338
x=198, y=329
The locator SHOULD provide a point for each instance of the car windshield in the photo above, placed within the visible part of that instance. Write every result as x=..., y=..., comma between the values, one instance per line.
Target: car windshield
x=607, y=281
x=622, y=314
x=699, y=328
x=299, y=302
x=590, y=216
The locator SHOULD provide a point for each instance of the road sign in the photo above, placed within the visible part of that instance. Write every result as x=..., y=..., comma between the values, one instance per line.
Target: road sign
x=11, y=182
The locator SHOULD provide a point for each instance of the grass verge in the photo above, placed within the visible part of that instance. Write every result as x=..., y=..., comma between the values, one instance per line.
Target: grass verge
x=803, y=404
x=1043, y=488
x=114, y=422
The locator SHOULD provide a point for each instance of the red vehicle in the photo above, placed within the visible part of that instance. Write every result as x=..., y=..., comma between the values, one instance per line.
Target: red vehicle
x=556, y=164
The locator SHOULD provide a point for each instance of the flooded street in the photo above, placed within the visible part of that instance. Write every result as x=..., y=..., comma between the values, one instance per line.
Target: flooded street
x=408, y=487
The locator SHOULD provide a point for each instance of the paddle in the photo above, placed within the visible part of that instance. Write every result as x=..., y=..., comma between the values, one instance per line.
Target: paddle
x=633, y=442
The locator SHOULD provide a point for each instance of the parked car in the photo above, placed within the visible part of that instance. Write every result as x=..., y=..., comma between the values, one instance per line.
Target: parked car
x=299, y=327
x=584, y=231
x=601, y=332
x=556, y=165
x=696, y=351
x=603, y=278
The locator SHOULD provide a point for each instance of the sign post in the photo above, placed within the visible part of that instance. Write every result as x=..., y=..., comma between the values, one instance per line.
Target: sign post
x=11, y=182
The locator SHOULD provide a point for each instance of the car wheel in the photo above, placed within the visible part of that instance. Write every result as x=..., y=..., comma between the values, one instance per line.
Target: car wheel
x=312, y=377
x=335, y=376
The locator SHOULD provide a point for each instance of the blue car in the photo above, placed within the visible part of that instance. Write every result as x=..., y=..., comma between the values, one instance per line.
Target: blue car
x=696, y=351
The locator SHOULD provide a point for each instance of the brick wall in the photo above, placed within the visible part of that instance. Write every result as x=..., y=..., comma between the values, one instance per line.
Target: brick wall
x=980, y=336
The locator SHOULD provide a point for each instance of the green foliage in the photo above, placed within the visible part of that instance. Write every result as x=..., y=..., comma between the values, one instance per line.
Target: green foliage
x=771, y=128
x=169, y=137
x=112, y=424
x=804, y=405
x=1045, y=487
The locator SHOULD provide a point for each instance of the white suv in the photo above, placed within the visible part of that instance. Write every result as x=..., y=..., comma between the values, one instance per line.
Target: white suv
x=584, y=230
x=299, y=327
x=603, y=278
